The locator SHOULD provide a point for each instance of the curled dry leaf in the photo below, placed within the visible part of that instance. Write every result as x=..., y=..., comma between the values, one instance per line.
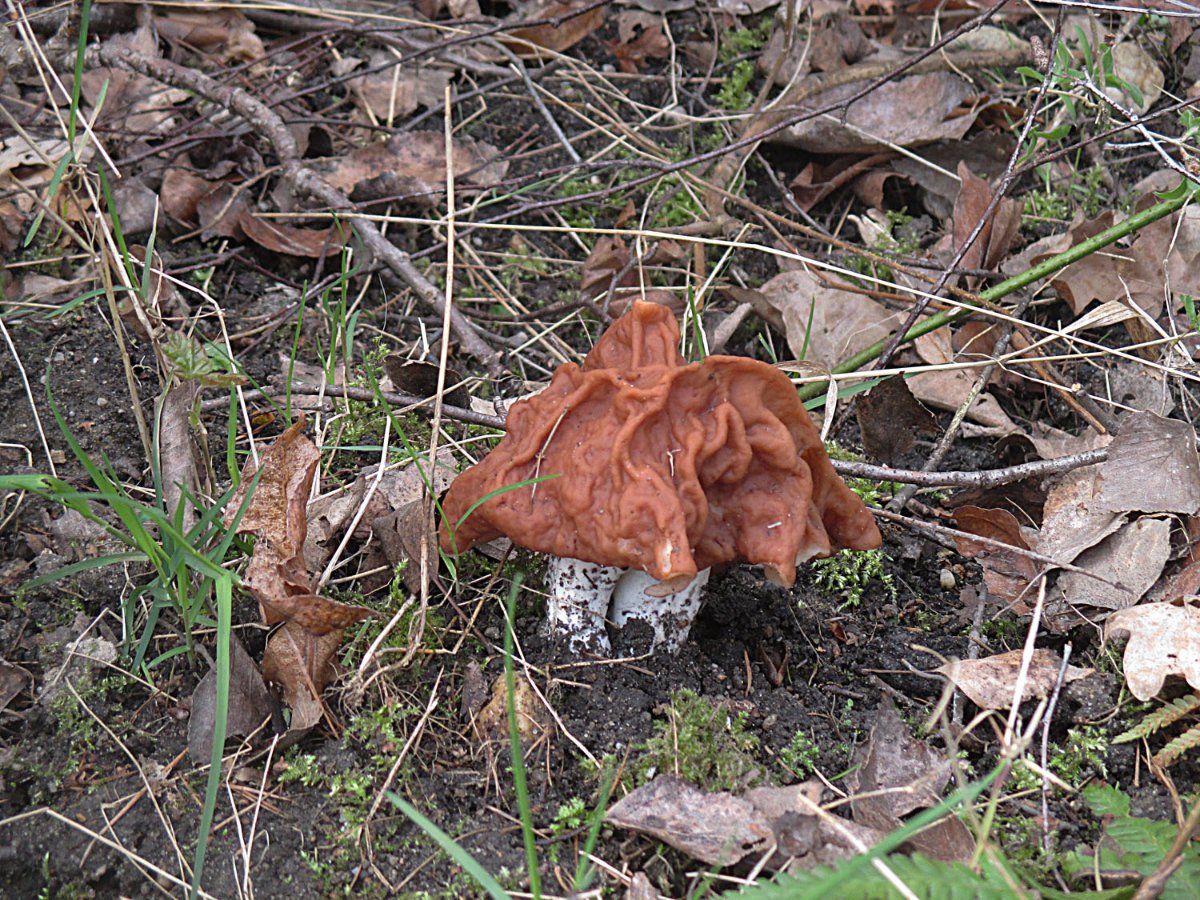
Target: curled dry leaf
x=225, y=34
x=998, y=233
x=1164, y=639
x=300, y=656
x=290, y=240
x=991, y=683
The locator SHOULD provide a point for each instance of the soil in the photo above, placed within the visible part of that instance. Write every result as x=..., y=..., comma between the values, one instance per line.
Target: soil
x=98, y=797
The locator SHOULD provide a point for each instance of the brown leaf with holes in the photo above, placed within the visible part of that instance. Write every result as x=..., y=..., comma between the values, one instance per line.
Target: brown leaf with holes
x=890, y=418
x=990, y=683
x=1164, y=640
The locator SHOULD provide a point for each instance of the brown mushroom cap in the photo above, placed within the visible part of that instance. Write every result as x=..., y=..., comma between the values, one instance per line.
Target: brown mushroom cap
x=661, y=465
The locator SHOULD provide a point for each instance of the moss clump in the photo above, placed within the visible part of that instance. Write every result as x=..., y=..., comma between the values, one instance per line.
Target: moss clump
x=702, y=742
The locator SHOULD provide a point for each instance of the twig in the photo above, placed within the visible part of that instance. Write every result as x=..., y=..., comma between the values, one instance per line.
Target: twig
x=1058, y=683
x=304, y=180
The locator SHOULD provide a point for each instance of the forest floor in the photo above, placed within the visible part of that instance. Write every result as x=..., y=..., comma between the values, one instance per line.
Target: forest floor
x=221, y=222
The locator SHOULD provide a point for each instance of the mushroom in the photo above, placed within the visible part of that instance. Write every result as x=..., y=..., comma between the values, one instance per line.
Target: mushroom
x=638, y=472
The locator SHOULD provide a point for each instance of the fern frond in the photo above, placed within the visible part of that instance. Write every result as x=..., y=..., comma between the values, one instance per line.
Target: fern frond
x=1189, y=740
x=1165, y=715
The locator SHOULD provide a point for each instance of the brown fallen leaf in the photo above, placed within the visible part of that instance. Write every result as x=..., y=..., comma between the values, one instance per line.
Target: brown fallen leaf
x=991, y=682
x=1163, y=640
x=13, y=680
x=884, y=118
x=303, y=664
x=491, y=723
x=1072, y=519
x=225, y=34
x=289, y=239
x=718, y=829
x=823, y=324
x=565, y=32
x=1152, y=467
x=890, y=418
x=896, y=775
x=412, y=165
x=999, y=232
x=135, y=107
x=300, y=655
x=1125, y=564
x=948, y=389
x=250, y=703
x=1007, y=573
x=389, y=90
x=640, y=39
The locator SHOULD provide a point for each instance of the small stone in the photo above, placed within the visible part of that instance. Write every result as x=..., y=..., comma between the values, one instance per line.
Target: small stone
x=946, y=577
x=102, y=402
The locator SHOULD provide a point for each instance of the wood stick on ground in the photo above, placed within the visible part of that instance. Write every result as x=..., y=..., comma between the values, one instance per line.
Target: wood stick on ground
x=304, y=180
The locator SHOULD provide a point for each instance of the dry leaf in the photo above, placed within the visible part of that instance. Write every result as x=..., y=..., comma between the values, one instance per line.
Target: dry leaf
x=225, y=34
x=890, y=418
x=842, y=322
x=1125, y=565
x=556, y=36
x=991, y=682
x=135, y=107
x=491, y=724
x=896, y=775
x=303, y=664
x=885, y=117
x=1073, y=519
x=1164, y=639
x=412, y=165
x=640, y=38
x=998, y=233
x=250, y=703
x=389, y=92
x=718, y=829
x=288, y=239
x=1152, y=466
x=948, y=389
x=1007, y=573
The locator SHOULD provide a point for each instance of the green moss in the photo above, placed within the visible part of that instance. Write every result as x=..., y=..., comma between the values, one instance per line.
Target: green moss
x=704, y=743
x=849, y=573
x=735, y=93
x=800, y=756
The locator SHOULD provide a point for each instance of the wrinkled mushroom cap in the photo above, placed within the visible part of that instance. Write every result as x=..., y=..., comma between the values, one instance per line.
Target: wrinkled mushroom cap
x=661, y=465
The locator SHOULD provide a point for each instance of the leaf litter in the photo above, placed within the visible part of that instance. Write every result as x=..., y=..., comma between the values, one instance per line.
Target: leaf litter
x=1126, y=522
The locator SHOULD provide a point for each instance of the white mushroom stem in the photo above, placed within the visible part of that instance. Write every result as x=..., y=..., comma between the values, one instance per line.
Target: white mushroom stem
x=580, y=593
x=583, y=595
x=638, y=596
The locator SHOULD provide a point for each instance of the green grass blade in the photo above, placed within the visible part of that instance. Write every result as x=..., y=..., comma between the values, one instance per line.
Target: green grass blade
x=514, y=743
x=464, y=859
x=584, y=872
x=224, y=632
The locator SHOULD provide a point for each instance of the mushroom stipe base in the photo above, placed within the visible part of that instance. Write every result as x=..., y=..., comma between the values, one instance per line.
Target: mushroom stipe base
x=585, y=596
